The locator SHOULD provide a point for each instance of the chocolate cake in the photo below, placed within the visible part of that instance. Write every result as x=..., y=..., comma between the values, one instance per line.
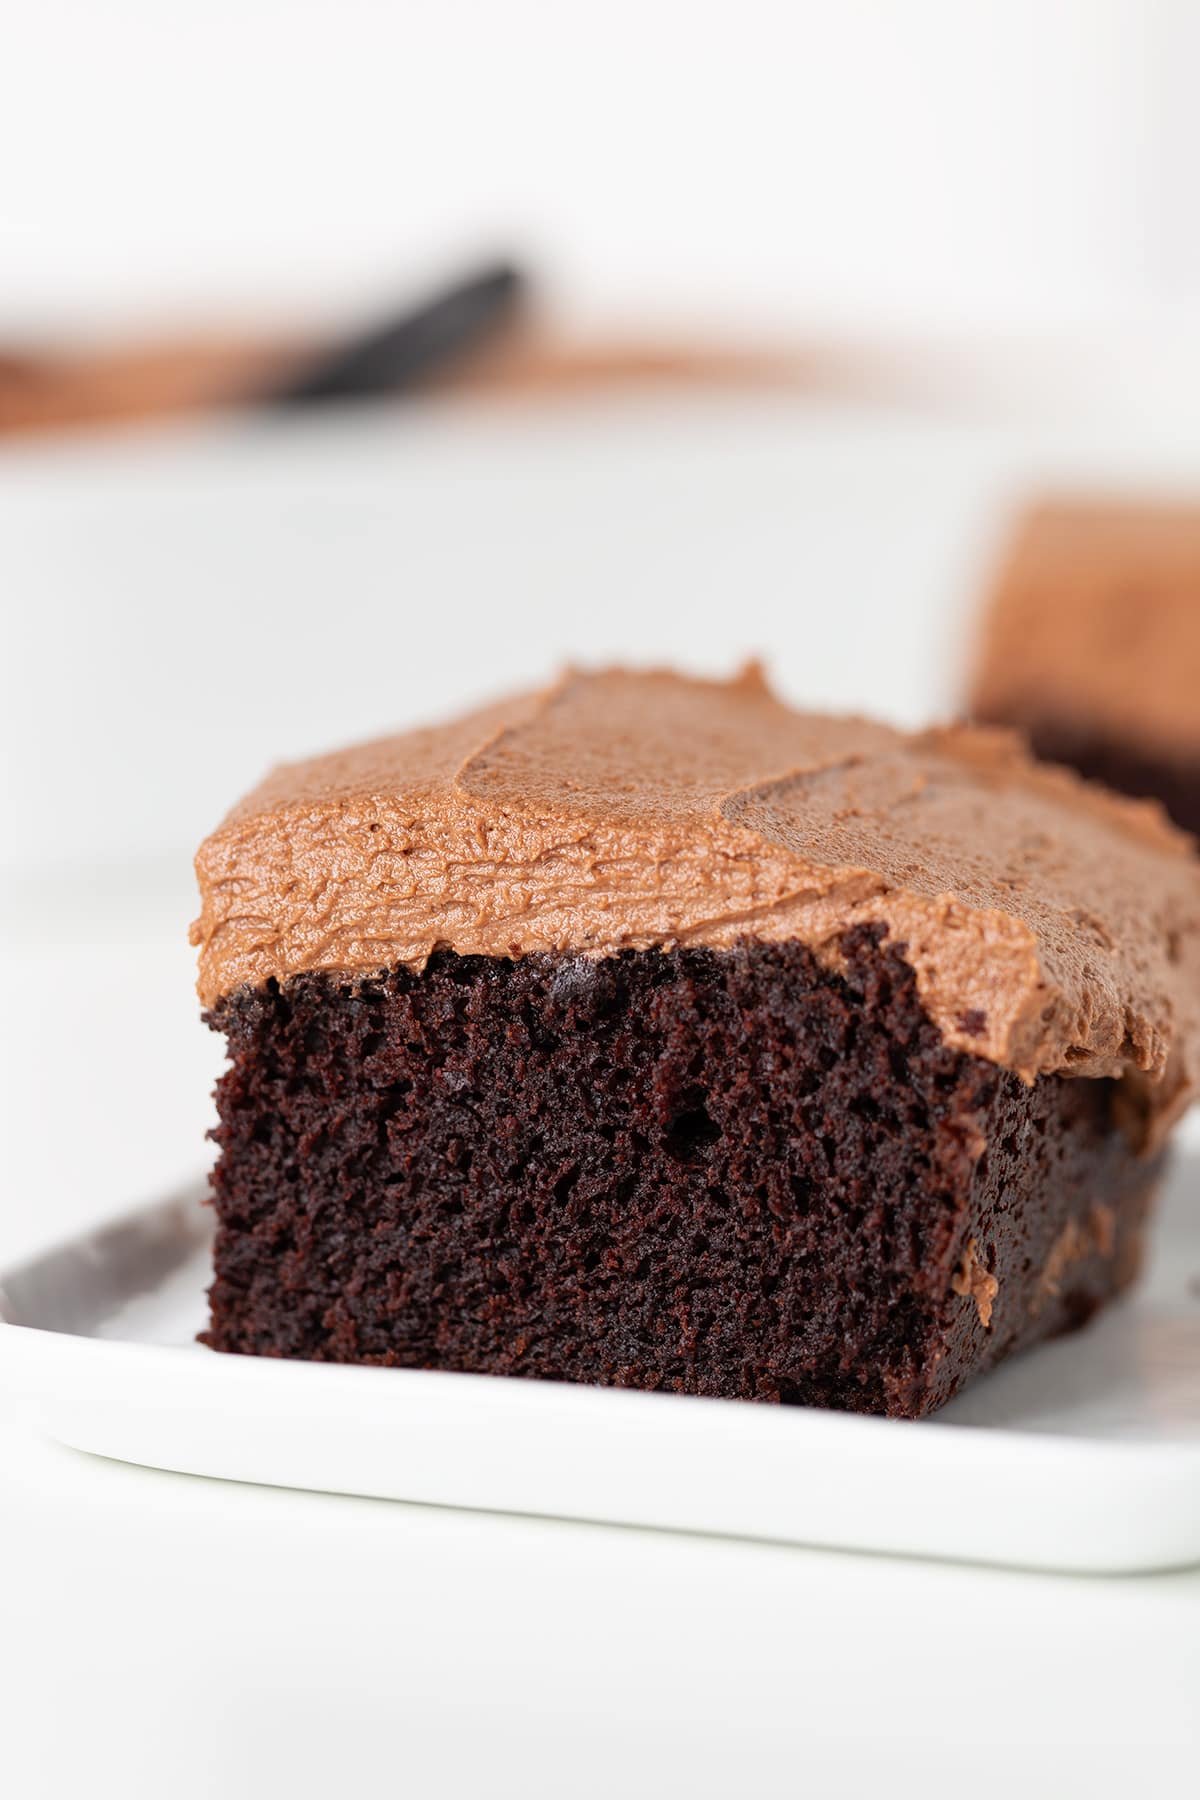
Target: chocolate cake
x=1092, y=646
x=646, y=1032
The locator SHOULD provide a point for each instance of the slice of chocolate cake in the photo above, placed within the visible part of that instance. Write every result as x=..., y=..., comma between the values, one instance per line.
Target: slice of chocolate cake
x=647, y=1032
x=1092, y=646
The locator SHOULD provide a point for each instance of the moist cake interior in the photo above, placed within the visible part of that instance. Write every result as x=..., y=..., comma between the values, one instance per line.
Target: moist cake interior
x=741, y=1172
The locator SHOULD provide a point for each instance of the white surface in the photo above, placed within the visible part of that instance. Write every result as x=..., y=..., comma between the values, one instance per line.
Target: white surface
x=1082, y=1456
x=249, y=1641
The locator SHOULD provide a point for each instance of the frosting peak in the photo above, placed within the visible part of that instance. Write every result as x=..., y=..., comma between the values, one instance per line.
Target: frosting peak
x=1051, y=927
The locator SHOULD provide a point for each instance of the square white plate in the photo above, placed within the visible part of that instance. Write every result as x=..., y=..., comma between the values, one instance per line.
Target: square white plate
x=1081, y=1455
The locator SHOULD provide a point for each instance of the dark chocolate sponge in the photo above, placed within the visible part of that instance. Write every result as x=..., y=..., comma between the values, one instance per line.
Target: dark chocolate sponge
x=730, y=1173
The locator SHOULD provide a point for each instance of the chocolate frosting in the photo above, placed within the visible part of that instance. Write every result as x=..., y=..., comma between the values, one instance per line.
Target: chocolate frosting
x=1051, y=927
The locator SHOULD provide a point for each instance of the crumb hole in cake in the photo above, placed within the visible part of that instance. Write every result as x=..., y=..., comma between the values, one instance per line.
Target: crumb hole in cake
x=690, y=1132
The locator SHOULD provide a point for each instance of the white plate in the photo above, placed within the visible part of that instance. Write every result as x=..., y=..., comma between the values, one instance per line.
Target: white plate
x=1082, y=1455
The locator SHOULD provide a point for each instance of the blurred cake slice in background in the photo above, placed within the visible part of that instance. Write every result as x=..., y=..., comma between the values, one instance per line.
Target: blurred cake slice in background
x=1091, y=644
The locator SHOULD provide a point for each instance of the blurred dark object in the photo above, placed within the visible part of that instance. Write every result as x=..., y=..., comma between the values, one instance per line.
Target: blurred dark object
x=483, y=338
x=474, y=338
x=49, y=390
x=403, y=352
x=1091, y=645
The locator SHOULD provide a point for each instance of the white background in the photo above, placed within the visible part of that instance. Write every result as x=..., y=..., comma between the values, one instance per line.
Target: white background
x=182, y=608
x=783, y=160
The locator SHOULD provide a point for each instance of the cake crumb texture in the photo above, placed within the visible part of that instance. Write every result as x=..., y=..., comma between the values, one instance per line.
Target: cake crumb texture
x=745, y=1173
